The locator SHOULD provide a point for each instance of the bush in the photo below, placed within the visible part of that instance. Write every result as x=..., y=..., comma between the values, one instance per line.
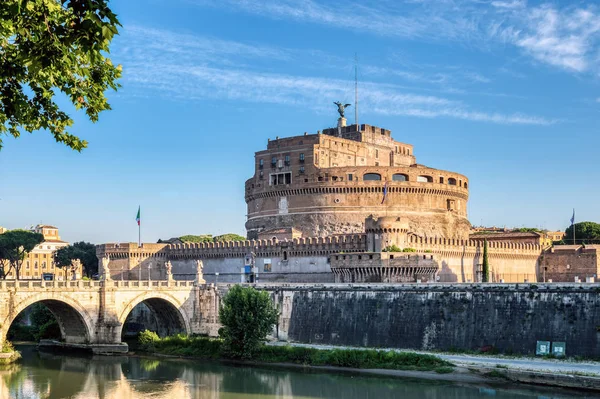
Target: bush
x=247, y=316
x=147, y=339
x=391, y=248
x=409, y=250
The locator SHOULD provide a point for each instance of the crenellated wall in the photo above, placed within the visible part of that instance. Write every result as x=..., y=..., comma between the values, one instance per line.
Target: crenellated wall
x=308, y=259
x=461, y=259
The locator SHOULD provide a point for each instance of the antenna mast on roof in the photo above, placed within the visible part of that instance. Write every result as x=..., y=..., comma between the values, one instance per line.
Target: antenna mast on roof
x=356, y=92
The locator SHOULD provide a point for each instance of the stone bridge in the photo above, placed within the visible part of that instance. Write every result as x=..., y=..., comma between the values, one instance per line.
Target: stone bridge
x=91, y=314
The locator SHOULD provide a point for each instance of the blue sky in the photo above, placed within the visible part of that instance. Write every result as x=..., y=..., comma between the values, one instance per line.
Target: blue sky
x=505, y=92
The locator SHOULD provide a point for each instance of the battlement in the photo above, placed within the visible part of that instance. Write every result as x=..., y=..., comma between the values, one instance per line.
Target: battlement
x=434, y=243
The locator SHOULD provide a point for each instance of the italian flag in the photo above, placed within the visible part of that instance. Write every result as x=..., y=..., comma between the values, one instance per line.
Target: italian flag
x=137, y=218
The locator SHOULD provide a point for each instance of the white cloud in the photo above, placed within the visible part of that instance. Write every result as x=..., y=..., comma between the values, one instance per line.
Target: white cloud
x=562, y=36
x=189, y=68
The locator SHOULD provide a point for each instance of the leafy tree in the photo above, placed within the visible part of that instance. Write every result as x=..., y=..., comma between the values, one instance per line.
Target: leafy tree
x=200, y=238
x=84, y=251
x=210, y=238
x=584, y=232
x=14, y=246
x=528, y=230
x=391, y=248
x=247, y=316
x=485, y=268
x=52, y=46
x=229, y=237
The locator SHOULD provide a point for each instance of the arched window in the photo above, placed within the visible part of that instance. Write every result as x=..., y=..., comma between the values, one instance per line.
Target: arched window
x=425, y=179
x=466, y=186
x=452, y=181
x=399, y=177
x=371, y=176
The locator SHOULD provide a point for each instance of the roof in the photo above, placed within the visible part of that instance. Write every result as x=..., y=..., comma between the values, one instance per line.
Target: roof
x=45, y=226
x=55, y=241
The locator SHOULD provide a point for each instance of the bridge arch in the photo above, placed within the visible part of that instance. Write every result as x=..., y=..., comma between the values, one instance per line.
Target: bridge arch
x=171, y=318
x=75, y=323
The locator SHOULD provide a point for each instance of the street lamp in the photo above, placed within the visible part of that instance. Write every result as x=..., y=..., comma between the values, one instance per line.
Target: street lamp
x=216, y=277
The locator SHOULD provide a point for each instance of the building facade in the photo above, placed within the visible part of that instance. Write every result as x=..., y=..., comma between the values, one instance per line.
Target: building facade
x=328, y=183
x=40, y=260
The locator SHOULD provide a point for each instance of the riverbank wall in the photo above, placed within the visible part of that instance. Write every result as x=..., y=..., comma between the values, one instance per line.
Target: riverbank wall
x=507, y=318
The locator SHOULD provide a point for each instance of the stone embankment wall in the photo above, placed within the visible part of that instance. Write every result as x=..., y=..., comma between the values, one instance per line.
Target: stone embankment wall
x=508, y=317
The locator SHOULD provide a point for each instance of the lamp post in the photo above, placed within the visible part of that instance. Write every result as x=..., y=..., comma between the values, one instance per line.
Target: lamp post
x=216, y=277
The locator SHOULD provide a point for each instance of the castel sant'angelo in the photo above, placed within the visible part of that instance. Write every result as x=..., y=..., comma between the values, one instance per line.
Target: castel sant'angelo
x=328, y=183
x=333, y=206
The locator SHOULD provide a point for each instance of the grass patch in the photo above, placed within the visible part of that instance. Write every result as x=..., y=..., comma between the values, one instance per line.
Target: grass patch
x=210, y=348
x=495, y=374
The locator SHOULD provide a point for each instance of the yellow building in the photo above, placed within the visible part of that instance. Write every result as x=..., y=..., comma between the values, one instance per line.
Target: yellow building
x=41, y=259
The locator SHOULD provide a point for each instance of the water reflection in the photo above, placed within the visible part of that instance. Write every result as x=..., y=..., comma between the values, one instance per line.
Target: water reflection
x=53, y=377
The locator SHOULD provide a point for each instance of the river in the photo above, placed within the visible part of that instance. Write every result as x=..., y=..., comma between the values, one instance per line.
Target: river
x=42, y=375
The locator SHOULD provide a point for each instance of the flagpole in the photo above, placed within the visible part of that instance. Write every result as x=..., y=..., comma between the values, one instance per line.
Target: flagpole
x=573, y=226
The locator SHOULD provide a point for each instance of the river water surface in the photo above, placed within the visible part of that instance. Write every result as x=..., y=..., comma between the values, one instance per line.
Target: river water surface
x=41, y=375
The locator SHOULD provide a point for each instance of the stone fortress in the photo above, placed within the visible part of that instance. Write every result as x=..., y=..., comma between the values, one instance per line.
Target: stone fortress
x=328, y=207
x=328, y=183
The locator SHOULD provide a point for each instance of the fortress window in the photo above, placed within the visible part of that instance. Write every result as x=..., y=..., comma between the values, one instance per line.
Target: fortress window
x=425, y=179
x=452, y=181
x=273, y=162
x=261, y=163
x=350, y=176
x=376, y=153
x=371, y=176
x=441, y=180
x=465, y=185
x=407, y=151
x=301, y=169
x=399, y=177
x=287, y=160
x=261, y=175
x=301, y=157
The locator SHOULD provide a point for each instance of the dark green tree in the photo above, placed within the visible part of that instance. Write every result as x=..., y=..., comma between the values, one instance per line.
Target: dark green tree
x=14, y=247
x=49, y=47
x=247, y=316
x=84, y=251
x=585, y=232
x=485, y=268
x=229, y=237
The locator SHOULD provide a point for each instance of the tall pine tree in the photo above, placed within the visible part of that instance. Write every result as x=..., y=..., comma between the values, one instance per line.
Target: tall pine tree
x=485, y=269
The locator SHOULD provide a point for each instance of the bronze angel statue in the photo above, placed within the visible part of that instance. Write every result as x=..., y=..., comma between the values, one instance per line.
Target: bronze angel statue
x=341, y=107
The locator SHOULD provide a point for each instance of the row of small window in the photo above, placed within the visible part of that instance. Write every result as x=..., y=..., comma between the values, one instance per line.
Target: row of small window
x=261, y=174
x=35, y=265
x=421, y=179
x=280, y=162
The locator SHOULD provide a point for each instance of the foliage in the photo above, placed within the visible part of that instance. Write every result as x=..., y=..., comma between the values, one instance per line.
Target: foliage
x=146, y=339
x=391, y=248
x=7, y=347
x=14, y=246
x=43, y=325
x=409, y=250
x=485, y=269
x=230, y=237
x=528, y=230
x=84, y=251
x=210, y=238
x=207, y=348
x=584, y=232
x=200, y=238
x=52, y=46
x=247, y=316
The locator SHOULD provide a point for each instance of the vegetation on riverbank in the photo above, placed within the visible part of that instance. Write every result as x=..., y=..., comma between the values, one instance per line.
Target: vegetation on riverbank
x=8, y=348
x=209, y=348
